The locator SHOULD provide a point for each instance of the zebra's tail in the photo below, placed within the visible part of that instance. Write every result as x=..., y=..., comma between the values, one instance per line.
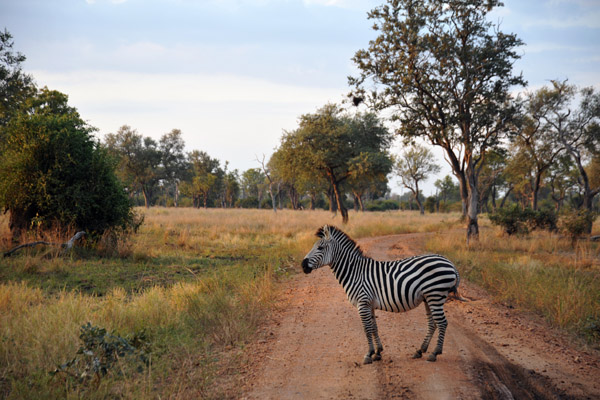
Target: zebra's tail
x=454, y=289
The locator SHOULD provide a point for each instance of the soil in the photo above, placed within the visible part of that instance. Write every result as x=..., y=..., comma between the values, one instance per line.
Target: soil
x=314, y=345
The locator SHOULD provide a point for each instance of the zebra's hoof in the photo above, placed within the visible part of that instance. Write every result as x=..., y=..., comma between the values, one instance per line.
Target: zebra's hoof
x=367, y=360
x=376, y=357
x=432, y=357
x=418, y=354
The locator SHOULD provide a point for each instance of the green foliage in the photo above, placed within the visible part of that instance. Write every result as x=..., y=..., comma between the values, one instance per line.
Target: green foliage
x=382, y=205
x=445, y=73
x=138, y=160
x=333, y=150
x=516, y=220
x=15, y=86
x=53, y=172
x=101, y=352
x=544, y=219
x=430, y=204
x=513, y=219
x=247, y=202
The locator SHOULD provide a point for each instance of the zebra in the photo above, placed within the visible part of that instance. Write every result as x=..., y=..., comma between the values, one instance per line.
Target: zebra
x=394, y=286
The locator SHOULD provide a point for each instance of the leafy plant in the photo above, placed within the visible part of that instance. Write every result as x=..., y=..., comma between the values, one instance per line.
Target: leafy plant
x=101, y=352
x=576, y=223
x=513, y=219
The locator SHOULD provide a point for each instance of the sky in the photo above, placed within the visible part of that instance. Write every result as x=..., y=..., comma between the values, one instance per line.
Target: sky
x=233, y=75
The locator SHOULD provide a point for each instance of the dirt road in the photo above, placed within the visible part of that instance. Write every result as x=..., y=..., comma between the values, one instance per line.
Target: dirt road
x=314, y=346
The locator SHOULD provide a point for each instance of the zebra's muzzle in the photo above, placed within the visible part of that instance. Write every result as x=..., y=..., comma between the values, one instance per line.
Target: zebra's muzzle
x=305, y=267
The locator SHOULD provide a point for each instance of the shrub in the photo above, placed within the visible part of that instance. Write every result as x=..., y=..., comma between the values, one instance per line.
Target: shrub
x=545, y=219
x=382, y=205
x=100, y=352
x=248, y=202
x=516, y=220
x=513, y=219
x=576, y=223
x=54, y=174
x=430, y=204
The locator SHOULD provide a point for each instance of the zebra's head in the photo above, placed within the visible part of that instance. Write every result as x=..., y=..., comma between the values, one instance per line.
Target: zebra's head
x=322, y=252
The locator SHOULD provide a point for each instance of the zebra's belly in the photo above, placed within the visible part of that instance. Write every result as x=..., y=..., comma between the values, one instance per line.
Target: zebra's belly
x=397, y=305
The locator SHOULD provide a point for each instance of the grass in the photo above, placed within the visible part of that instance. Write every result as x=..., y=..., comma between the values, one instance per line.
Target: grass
x=540, y=272
x=195, y=283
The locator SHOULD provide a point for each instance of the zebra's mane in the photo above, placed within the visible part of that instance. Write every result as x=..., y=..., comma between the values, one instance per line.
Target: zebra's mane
x=338, y=234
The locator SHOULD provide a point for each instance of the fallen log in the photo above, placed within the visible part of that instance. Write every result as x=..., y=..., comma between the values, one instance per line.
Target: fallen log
x=66, y=246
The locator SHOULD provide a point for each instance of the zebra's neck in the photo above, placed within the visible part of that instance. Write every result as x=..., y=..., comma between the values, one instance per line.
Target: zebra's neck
x=347, y=259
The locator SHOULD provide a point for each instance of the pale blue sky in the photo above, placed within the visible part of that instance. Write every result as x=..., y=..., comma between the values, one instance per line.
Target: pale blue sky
x=233, y=74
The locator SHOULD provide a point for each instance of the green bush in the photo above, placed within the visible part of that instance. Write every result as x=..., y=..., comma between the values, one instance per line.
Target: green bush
x=101, y=352
x=576, y=223
x=54, y=174
x=382, y=205
x=513, y=219
x=248, y=202
x=429, y=205
x=516, y=220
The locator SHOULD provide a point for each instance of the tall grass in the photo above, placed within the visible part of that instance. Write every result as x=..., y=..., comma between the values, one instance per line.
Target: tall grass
x=193, y=282
x=541, y=272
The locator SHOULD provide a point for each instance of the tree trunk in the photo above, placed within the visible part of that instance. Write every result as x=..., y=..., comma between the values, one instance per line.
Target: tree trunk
x=535, y=189
x=472, y=203
x=273, y=203
x=145, y=193
x=339, y=199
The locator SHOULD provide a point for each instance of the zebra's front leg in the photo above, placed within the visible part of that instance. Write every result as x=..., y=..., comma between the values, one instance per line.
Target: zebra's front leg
x=430, y=331
x=366, y=315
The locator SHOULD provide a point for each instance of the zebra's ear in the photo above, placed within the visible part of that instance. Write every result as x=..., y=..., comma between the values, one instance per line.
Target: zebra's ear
x=321, y=232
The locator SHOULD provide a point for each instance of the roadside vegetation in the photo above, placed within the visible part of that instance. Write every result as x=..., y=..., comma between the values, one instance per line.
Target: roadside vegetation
x=542, y=272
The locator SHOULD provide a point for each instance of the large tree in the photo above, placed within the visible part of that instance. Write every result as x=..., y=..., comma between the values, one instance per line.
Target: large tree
x=53, y=173
x=577, y=128
x=446, y=72
x=139, y=160
x=413, y=166
x=331, y=143
x=173, y=162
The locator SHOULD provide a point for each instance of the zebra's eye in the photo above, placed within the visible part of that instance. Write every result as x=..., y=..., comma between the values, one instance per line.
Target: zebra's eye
x=320, y=248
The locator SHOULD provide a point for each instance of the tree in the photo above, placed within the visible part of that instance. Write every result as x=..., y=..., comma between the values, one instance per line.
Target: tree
x=446, y=72
x=330, y=144
x=173, y=161
x=413, y=166
x=205, y=176
x=537, y=142
x=54, y=174
x=139, y=160
x=271, y=180
x=577, y=128
x=447, y=189
x=15, y=86
x=369, y=169
x=253, y=184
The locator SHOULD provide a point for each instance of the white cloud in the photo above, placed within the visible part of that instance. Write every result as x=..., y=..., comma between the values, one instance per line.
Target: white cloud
x=231, y=117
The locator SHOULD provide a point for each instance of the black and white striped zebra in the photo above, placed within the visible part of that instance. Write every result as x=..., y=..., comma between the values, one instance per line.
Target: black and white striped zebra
x=386, y=285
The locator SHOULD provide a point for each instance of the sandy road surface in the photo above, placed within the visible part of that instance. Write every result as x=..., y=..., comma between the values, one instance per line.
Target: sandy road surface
x=314, y=346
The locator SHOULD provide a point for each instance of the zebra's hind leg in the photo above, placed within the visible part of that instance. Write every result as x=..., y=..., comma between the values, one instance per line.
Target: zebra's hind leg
x=430, y=330
x=377, y=355
x=442, y=324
